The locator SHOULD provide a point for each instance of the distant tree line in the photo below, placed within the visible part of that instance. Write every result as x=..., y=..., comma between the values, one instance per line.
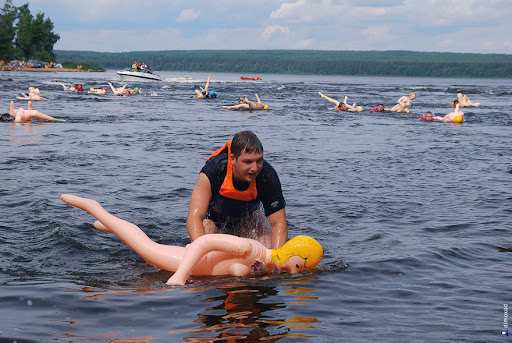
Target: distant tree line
x=23, y=36
x=382, y=63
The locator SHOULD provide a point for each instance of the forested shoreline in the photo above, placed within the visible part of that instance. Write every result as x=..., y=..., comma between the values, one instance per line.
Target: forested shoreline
x=363, y=63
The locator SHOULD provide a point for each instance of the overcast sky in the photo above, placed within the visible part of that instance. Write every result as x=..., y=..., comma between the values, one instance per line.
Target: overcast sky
x=482, y=26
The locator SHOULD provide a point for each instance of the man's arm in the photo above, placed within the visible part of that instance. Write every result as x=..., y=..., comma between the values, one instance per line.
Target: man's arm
x=198, y=208
x=279, y=228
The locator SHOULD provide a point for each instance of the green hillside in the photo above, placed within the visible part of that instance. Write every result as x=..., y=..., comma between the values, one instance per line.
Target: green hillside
x=382, y=63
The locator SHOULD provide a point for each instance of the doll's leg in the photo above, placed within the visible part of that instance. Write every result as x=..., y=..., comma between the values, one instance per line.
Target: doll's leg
x=207, y=83
x=114, y=90
x=460, y=98
x=468, y=102
x=336, y=102
x=166, y=257
x=199, y=94
x=12, y=111
x=236, y=107
x=42, y=116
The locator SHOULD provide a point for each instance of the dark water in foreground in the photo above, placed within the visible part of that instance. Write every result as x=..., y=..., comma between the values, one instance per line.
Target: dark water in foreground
x=415, y=217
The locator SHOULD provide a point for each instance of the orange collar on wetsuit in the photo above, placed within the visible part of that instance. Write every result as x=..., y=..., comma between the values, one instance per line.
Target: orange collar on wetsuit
x=227, y=189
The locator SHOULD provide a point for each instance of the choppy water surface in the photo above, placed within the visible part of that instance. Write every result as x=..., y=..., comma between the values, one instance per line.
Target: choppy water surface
x=415, y=217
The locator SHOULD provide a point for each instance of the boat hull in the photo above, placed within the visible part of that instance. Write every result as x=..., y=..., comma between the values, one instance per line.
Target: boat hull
x=137, y=76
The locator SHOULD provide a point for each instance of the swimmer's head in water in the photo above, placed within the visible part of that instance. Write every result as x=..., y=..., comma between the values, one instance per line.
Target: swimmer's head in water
x=265, y=107
x=359, y=109
x=6, y=117
x=412, y=95
x=457, y=119
x=136, y=89
x=303, y=246
x=428, y=116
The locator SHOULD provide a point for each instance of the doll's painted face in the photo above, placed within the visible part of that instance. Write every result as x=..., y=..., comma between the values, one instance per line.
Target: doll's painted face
x=295, y=264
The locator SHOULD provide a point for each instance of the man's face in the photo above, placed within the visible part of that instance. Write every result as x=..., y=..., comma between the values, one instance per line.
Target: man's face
x=380, y=108
x=247, y=166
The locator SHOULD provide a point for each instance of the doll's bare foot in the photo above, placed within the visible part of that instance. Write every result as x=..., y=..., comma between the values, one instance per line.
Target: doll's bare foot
x=82, y=203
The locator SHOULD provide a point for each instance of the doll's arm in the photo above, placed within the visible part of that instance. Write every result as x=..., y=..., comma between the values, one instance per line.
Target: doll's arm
x=202, y=246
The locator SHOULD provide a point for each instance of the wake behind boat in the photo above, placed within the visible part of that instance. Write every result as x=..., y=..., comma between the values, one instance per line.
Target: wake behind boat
x=128, y=74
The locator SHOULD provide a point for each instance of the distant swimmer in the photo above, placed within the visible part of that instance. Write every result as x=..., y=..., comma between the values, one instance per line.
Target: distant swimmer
x=99, y=91
x=136, y=90
x=342, y=106
x=21, y=114
x=205, y=93
x=33, y=94
x=457, y=116
x=78, y=87
x=428, y=116
x=119, y=91
x=464, y=101
x=245, y=104
x=379, y=108
x=404, y=103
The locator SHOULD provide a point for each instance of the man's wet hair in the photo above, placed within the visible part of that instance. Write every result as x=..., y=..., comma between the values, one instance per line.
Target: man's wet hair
x=245, y=141
x=6, y=117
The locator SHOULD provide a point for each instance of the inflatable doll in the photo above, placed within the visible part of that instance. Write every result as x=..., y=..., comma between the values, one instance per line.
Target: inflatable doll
x=457, y=116
x=21, y=114
x=404, y=103
x=211, y=254
x=33, y=94
x=464, y=101
x=342, y=106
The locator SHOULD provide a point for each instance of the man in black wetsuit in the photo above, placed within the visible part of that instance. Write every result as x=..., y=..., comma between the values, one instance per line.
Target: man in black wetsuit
x=236, y=191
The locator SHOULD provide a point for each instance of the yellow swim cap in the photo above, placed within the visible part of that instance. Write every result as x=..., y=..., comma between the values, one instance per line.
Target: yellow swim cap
x=359, y=109
x=266, y=107
x=457, y=119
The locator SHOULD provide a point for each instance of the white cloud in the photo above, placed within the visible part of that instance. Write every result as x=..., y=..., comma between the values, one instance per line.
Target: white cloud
x=378, y=34
x=189, y=14
x=425, y=25
x=303, y=11
x=457, y=12
x=269, y=31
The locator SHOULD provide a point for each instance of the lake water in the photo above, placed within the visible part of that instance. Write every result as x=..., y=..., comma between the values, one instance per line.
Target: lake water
x=415, y=218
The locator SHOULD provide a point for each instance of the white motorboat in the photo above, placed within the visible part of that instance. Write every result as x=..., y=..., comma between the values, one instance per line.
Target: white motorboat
x=128, y=74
